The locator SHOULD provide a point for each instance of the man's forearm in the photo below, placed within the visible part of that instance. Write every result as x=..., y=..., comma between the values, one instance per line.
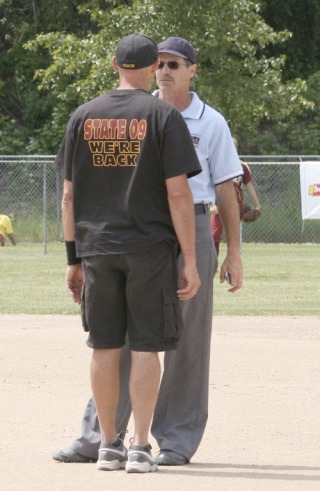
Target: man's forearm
x=253, y=195
x=182, y=213
x=67, y=211
x=229, y=213
x=68, y=225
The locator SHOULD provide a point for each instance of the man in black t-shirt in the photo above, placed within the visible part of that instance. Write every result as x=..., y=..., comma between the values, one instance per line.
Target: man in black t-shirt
x=126, y=208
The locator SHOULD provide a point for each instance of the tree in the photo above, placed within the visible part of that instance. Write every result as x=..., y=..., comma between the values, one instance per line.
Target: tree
x=231, y=38
x=302, y=49
x=23, y=108
x=299, y=132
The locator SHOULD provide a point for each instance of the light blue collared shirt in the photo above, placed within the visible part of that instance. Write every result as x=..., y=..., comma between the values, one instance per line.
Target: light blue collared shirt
x=215, y=149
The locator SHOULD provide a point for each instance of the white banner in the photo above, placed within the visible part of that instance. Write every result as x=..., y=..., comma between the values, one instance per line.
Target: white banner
x=310, y=190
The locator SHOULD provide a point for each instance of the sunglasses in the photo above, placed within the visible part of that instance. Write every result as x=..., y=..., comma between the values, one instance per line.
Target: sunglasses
x=173, y=65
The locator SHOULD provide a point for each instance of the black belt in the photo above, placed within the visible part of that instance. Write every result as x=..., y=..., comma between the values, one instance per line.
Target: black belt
x=201, y=208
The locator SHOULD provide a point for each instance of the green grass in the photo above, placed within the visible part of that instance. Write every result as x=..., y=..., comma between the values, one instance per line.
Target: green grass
x=32, y=282
x=279, y=279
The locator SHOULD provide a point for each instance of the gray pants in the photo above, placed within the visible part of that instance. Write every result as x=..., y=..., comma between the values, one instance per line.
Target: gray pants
x=182, y=408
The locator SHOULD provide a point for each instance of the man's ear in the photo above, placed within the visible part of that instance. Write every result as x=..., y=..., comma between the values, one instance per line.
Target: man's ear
x=193, y=70
x=114, y=64
x=155, y=66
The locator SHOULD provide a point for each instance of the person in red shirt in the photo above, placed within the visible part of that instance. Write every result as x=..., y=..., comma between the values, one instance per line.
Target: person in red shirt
x=215, y=220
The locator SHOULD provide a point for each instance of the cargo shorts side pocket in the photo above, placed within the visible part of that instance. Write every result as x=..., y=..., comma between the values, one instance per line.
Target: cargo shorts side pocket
x=172, y=315
x=83, y=311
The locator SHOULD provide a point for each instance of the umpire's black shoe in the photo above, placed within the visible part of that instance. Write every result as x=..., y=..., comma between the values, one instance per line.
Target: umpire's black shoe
x=70, y=455
x=169, y=457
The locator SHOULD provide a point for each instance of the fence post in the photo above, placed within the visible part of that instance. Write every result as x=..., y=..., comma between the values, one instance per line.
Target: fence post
x=58, y=208
x=45, y=208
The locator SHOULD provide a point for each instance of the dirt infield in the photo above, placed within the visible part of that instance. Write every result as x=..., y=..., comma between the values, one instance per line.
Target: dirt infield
x=263, y=428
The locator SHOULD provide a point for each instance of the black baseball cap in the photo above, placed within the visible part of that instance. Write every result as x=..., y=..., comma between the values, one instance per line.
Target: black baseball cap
x=136, y=51
x=179, y=47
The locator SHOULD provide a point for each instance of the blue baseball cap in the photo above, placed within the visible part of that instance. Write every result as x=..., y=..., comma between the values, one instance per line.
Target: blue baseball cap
x=179, y=47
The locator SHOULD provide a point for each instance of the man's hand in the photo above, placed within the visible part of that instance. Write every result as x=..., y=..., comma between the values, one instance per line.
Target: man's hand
x=75, y=281
x=229, y=212
x=234, y=267
x=189, y=283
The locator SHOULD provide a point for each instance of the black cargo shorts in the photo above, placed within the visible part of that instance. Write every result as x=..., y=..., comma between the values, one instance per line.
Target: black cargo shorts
x=134, y=294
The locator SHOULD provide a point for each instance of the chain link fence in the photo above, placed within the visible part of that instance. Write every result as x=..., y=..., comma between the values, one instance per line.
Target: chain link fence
x=276, y=180
x=31, y=196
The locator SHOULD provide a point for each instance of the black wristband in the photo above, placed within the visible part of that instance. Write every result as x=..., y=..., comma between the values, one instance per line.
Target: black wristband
x=71, y=253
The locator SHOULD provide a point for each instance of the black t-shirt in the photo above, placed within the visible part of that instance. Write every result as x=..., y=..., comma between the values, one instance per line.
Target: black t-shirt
x=118, y=151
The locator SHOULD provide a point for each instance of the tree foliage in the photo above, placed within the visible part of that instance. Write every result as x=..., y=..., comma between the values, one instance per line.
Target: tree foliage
x=302, y=19
x=58, y=55
x=25, y=110
x=300, y=132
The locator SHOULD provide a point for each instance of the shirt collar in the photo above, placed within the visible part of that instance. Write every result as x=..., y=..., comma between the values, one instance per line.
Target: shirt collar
x=195, y=109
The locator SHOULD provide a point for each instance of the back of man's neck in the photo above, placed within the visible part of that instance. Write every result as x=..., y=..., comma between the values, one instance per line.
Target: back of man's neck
x=129, y=86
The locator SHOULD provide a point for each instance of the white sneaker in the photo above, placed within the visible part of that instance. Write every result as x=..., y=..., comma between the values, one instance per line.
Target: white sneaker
x=140, y=459
x=112, y=457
